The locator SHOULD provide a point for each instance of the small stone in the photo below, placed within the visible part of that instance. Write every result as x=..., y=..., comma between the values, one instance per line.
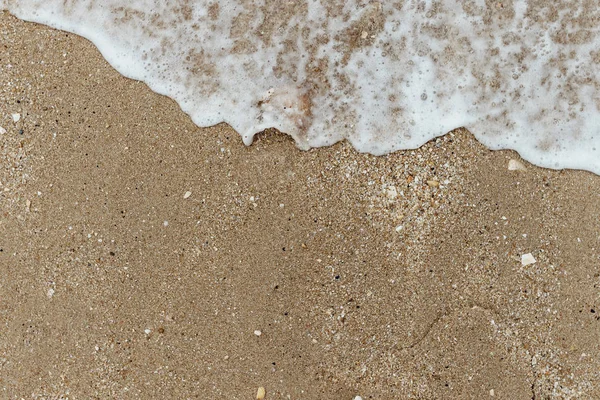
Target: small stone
x=260, y=394
x=433, y=183
x=2, y=131
x=147, y=331
x=166, y=223
x=364, y=35
x=187, y=194
x=50, y=293
x=492, y=393
x=16, y=117
x=514, y=165
x=358, y=398
x=28, y=205
x=257, y=332
x=527, y=259
x=391, y=192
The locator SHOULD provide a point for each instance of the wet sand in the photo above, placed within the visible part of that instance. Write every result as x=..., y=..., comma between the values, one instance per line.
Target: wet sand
x=324, y=274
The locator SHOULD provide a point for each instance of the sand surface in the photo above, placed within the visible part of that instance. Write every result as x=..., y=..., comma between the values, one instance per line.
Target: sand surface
x=324, y=274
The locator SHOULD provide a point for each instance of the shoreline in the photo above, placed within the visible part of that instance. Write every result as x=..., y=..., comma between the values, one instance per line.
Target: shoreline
x=396, y=276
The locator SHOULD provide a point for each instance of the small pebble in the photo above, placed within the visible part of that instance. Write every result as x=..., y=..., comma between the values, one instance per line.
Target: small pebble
x=50, y=293
x=187, y=194
x=527, y=259
x=166, y=223
x=260, y=394
x=433, y=183
x=16, y=117
x=2, y=131
x=358, y=398
x=257, y=332
x=147, y=331
x=391, y=192
x=514, y=165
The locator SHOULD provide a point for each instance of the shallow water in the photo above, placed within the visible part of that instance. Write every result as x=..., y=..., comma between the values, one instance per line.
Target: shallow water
x=386, y=76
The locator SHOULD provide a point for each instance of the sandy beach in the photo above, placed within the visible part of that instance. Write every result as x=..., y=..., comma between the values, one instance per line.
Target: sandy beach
x=142, y=257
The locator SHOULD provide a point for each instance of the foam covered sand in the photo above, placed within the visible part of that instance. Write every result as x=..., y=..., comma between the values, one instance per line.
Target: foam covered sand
x=383, y=75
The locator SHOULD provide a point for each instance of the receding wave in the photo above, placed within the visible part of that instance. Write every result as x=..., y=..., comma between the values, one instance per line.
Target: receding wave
x=386, y=76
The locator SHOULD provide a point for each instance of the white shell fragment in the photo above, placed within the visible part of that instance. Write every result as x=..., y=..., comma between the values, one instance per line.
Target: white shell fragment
x=514, y=165
x=527, y=259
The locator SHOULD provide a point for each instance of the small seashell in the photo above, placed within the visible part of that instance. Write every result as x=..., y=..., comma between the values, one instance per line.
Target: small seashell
x=514, y=165
x=527, y=259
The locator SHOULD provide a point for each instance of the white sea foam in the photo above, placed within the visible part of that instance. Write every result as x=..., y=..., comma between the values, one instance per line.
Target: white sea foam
x=388, y=75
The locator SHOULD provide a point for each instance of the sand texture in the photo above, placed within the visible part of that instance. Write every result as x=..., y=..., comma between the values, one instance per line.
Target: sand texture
x=142, y=257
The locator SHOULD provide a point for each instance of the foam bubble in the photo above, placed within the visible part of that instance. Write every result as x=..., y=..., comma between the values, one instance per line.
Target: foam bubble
x=384, y=75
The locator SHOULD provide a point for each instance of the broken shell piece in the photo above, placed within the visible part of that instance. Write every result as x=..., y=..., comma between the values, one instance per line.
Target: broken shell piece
x=514, y=165
x=527, y=259
x=260, y=394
